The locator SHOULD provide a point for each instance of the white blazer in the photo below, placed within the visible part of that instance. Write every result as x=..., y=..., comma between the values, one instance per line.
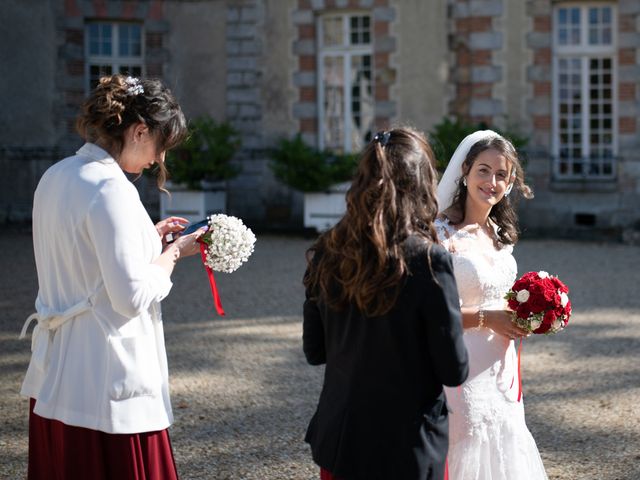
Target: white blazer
x=98, y=355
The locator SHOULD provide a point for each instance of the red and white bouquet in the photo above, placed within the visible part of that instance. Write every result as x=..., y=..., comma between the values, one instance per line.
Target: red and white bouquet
x=540, y=303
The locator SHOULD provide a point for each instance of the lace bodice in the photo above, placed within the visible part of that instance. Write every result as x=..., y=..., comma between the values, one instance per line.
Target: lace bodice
x=483, y=273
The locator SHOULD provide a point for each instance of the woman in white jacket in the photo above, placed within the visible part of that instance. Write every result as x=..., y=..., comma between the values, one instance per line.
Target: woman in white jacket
x=97, y=378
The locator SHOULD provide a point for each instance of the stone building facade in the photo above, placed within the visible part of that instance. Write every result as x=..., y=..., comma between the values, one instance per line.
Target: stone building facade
x=564, y=74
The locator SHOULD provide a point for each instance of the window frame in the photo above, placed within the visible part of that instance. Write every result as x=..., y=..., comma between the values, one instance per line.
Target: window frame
x=115, y=60
x=585, y=53
x=346, y=51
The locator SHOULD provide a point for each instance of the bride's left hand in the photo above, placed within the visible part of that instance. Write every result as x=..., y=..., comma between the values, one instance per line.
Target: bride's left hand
x=170, y=225
x=500, y=322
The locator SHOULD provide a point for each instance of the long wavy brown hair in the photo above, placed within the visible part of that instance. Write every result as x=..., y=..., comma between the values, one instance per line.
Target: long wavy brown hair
x=111, y=109
x=361, y=261
x=503, y=214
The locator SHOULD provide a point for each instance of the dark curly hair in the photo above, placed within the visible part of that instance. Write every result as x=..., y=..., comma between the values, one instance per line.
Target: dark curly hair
x=503, y=214
x=361, y=260
x=111, y=108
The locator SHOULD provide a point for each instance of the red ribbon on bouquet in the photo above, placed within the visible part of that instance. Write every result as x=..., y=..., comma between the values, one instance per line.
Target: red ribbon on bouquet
x=212, y=282
x=519, y=374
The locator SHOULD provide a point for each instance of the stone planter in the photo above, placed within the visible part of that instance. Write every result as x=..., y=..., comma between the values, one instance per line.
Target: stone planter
x=322, y=210
x=194, y=205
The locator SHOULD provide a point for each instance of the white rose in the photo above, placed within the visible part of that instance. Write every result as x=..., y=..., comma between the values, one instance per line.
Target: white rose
x=557, y=325
x=564, y=299
x=535, y=324
x=522, y=296
x=543, y=274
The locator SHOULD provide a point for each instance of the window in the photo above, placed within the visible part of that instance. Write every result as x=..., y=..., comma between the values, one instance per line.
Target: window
x=584, y=92
x=345, y=99
x=113, y=48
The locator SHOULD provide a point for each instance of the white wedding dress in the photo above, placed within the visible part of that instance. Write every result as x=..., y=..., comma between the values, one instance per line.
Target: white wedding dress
x=488, y=436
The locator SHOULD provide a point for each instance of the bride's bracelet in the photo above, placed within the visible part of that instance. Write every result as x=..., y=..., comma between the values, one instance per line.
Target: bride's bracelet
x=480, y=318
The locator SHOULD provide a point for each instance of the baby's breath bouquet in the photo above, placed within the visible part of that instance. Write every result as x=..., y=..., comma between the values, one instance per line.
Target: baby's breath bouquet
x=229, y=243
x=226, y=245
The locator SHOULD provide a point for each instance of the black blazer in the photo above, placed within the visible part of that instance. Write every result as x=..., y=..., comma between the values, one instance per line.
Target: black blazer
x=382, y=413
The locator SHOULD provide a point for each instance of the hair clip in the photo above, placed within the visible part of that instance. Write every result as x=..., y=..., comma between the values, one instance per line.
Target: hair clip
x=382, y=137
x=134, y=88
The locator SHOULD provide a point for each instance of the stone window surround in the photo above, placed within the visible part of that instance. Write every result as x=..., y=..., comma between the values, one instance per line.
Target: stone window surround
x=583, y=51
x=70, y=26
x=346, y=53
x=305, y=109
x=115, y=61
x=539, y=77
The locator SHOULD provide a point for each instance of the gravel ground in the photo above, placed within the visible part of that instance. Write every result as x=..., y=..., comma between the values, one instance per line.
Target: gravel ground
x=243, y=394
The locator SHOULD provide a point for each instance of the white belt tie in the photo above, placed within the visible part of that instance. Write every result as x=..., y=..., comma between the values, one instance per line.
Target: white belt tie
x=50, y=322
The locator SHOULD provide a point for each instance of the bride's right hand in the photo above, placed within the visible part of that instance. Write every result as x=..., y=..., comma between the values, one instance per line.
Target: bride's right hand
x=188, y=244
x=500, y=322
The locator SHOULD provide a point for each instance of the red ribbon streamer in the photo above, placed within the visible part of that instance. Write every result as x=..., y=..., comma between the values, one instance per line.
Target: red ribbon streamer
x=519, y=374
x=212, y=282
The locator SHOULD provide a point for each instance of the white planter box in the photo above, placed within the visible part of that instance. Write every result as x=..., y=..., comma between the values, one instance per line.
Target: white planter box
x=322, y=210
x=194, y=205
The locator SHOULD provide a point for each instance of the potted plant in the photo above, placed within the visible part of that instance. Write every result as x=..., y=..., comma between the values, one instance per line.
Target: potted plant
x=321, y=175
x=199, y=168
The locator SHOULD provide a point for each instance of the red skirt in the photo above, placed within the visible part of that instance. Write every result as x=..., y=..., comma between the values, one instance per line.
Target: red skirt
x=327, y=475
x=63, y=452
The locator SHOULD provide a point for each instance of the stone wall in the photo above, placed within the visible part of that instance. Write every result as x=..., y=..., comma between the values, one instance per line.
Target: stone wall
x=254, y=63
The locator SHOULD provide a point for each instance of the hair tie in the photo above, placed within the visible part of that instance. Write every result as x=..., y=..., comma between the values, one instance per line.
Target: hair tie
x=382, y=137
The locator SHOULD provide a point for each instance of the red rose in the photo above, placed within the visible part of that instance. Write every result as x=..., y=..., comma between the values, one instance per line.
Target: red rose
x=559, y=311
x=559, y=285
x=549, y=317
x=549, y=289
x=513, y=304
x=568, y=310
x=523, y=311
x=537, y=301
x=543, y=328
x=520, y=285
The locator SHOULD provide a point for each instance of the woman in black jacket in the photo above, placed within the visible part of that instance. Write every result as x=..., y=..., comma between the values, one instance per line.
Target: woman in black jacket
x=382, y=311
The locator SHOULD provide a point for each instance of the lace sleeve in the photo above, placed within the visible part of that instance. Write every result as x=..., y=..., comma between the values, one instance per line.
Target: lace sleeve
x=444, y=234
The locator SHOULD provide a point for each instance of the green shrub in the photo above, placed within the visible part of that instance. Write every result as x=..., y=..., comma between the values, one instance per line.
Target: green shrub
x=447, y=135
x=206, y=154
x=308, y=169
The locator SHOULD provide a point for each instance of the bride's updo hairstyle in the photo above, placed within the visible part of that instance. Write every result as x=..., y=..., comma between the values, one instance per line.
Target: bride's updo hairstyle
x=118, y=102
x=503, y=214
x=361, y=261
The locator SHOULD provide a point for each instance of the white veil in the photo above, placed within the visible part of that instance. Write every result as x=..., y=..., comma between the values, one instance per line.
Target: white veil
x=449, y=181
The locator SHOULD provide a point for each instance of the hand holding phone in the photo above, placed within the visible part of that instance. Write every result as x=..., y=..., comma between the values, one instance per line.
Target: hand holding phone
x=195, y=226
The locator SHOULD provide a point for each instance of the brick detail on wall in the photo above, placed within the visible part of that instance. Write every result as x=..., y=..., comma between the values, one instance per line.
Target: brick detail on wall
x=628, y=90
x=244, y=104
x=539, y=73
x=305, y=78
x=71, y=57
x=473, y=40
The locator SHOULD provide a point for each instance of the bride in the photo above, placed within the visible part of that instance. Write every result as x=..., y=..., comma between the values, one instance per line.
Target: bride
x=488, y=437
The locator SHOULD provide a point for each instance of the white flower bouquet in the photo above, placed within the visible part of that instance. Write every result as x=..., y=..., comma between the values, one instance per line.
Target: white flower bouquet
x=227, y=244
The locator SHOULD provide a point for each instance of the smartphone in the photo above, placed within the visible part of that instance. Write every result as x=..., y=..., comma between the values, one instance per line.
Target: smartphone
x=194, y=226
